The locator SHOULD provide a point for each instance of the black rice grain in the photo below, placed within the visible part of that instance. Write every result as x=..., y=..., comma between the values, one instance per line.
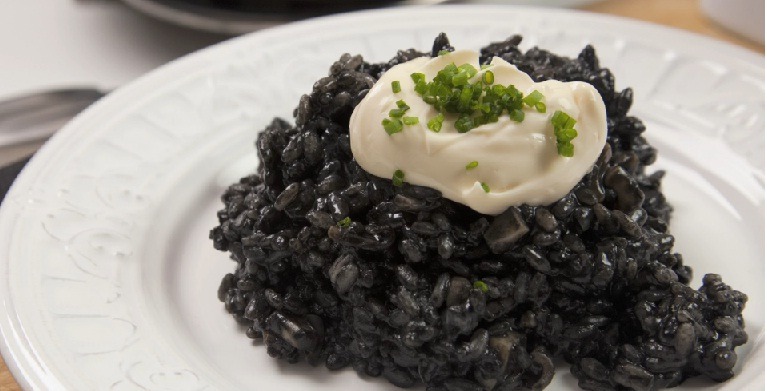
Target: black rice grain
x=422, y=290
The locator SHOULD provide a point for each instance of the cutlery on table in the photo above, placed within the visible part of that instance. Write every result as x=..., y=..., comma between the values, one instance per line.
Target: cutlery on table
x=27, y=121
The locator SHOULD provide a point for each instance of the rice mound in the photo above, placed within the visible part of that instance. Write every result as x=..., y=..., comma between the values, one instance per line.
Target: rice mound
x=422, y=290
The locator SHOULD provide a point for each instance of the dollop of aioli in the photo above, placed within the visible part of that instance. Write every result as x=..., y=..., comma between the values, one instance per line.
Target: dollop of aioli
x=517, y=160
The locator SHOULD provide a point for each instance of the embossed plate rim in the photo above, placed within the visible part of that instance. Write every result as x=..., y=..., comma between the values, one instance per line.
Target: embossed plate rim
x=23, y=352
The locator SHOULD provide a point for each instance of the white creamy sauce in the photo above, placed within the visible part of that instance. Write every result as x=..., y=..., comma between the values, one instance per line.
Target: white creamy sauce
x=518, y=161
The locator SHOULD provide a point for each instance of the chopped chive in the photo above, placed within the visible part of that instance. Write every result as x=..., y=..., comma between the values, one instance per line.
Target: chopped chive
x=400, y=111
x=435, y=124
x=480, y=285
x=485, y=187
x=395, y=86
x=561, y=119
x=460, y=79
x=410, y=120
x=488, y=77
x=464, y=124
x=392, y=125
x=345, y=222
x=398, y=178
x=421, y=87
x=517, y=115
x=472, y=165
x=474, y=103
x=484, y=66
x=533, y=98
x=566, y=149
x=443, y=52
x=396, y=113
x=469, y=69
x=569, y=134
x=464, y=99
x=558, y=119
x=565, y=133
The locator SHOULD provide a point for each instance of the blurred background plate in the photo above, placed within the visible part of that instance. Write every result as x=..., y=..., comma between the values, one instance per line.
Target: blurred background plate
x=243, y=16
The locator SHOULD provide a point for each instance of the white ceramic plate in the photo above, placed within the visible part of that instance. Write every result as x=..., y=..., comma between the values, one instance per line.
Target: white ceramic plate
x=108, y=279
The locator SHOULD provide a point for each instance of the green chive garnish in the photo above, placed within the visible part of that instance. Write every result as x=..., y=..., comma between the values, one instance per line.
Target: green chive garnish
x=475, y=102
x=400, y=111
x=418, y=77
x=485, y=187
x=396, y=113
x=564, y=131
x=421, y=87
x=517, y=115
x=533, y=98
x=468, y=68
x=395, y=86
x=460, y=79
x=488, y=77
x=443, y=52
x=410, y=120
x=480, y=285
x=566, y=149
x=472, y=165
x=464, y=124
x=392, y=125
x=435, y=124
x=398, y=178
x=345, y=222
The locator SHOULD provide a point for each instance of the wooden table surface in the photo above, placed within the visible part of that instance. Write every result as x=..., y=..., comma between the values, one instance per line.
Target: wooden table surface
x=683, y=14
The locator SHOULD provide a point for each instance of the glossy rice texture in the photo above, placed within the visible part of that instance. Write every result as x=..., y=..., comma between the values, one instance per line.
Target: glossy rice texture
x=422, y=290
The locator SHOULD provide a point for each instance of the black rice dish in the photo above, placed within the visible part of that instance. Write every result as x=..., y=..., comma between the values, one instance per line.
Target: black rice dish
x=422, y=290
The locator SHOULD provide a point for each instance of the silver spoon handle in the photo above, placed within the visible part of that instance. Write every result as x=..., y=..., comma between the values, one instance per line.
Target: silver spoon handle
x=37, y=116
